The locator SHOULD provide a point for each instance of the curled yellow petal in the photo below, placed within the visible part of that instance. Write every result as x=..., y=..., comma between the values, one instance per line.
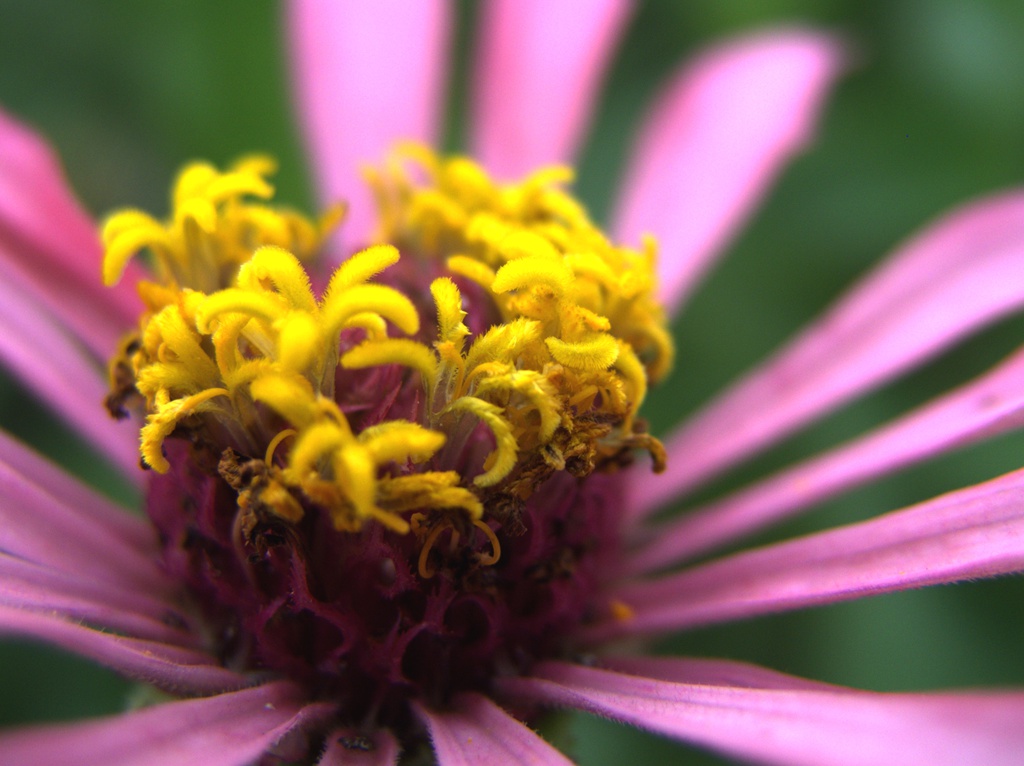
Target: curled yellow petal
x=504, y=342
x=503, y=458
x=162, y=423
x=402, y=351
x=283, y=270
x=298, y=341
x=290, y=396
x=633, y=371
x=313, y=443
x=123, y=246
x=400, y=440
x=340, y=306
x=263, y=306
x=361, y=267
x=449, y=310
x=532, y=271
x=597, y=352
x=432, y=489
x=537, y=390
x=471, y=269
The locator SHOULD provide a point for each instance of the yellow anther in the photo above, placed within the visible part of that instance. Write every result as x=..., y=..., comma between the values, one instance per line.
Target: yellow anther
x=162, y=423
x=495, y=545
x=198, y=211
x=340, y=306
x=403, y=351
x=268, y=456
x=423, y=564
x=213, y=228
x=298, y=341
x=505, y=342
x=265, y=306
x=593, y=266
x=193, y=180
x=283, y=271
x=532, y=271
x=437, y=490
x=449, y=311
x=291, y=396
x=314, y=443
x=400, y=441
x=597, y=352
x=123, y=238
x=237, y=349
x=375, y=326
x=258, y=164
x=178, y=344
x=361, y=267
x=471, y=269
x=537, y=390
x=237, y=184
x=503, y=458
x=632, y=370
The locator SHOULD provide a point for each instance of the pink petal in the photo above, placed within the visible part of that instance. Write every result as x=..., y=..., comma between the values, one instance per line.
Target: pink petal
x=352, y=748
x=979, y=410
x=102, y=604
x=50, y=246
x=718, y=136
x=476, y=732
x=52, y=530
x=172, y=668
x=366, y=73
x=539, y=68
x=226, y=730
x=74, y=495
x=973, y=532
x=52, y=365
x=796, y=723
x=959, y=275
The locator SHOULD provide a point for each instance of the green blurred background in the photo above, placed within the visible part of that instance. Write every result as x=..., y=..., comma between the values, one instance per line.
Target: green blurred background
x=931, y=115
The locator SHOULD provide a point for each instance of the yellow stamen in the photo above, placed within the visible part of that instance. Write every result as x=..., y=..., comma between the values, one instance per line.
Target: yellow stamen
x=238, y=350
x=268, y=457
x=426, y=571
x=495, y=545
x=393, y=351
x=503, y=459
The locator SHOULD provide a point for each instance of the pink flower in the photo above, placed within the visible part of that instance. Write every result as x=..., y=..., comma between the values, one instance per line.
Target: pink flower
x=79, y=572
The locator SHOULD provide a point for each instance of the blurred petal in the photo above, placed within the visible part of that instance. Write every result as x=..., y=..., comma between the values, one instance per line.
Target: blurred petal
x=367, y=73
x=50, y=247
x=539, y=68
x=973, y=532
x=959, y=275
x=74, y=495
x=227, y=730
x=718, y=136
x=52, y=530
x=170, y=667
x=796, y=723
x=347, y=748
x=61, y=373
x=102, y=604
x=476, y=732
x=986, y=407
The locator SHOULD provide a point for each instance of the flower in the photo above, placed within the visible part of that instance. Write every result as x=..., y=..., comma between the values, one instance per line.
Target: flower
x=122, y=609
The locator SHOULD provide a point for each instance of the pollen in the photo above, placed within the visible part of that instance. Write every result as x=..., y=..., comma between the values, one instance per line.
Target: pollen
x=489, y=337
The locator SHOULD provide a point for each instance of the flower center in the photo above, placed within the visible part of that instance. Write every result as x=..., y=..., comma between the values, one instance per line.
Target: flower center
x=376, y=492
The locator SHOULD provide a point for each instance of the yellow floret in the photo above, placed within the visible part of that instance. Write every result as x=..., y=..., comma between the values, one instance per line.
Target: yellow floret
x=239, y=352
